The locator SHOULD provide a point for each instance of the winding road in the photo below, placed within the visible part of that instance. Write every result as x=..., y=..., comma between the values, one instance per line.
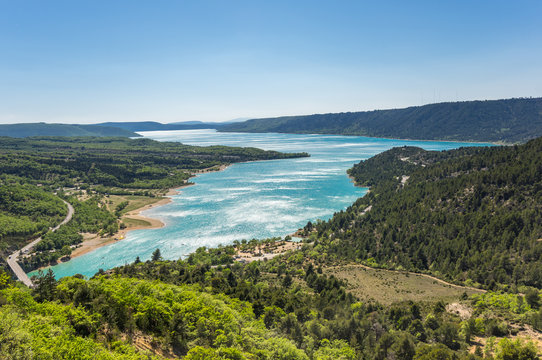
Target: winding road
x=13, y=258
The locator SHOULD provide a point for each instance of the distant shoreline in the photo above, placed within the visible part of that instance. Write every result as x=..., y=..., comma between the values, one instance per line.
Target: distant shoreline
x=494, y=143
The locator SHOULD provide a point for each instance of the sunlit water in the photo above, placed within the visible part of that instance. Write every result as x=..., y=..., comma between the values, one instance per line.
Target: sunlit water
x=249, y=200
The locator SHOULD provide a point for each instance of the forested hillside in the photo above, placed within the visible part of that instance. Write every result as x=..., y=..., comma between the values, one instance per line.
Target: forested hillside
x=468, y=215
x=511, y=121
x=43, y=129
x=114, y=162
x=90, y=216
x=26, y=211
x=208, y=307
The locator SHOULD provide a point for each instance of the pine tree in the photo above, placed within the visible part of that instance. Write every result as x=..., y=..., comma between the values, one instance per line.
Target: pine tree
x=156, y=255
x=45, y=286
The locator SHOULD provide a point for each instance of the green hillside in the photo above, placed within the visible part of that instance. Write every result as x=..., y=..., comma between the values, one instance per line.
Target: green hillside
x=26, y=211
x=284, y=308
x=43, y=129
x=115, y=161
x=468, y=215
x=511, y=121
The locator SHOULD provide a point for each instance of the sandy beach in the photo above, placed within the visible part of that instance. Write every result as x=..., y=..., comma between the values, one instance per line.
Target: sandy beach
x=92, y=242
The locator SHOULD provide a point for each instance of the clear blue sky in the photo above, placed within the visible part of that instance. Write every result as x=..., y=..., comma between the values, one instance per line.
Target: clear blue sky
x=92, y=61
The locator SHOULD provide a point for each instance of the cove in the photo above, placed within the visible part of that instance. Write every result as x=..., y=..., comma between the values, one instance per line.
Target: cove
x=248, y=200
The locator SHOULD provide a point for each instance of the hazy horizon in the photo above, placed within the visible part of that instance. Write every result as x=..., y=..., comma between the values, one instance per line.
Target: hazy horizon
x=239, y=119
x=213, y=61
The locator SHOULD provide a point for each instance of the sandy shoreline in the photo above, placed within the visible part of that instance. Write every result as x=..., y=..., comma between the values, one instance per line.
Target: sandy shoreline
x=92, y=242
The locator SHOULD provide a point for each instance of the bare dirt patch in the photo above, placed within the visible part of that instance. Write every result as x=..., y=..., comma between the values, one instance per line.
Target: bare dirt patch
x=461, y=310
x=265, y=251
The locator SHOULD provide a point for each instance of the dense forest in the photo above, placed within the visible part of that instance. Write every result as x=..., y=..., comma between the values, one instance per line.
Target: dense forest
x=115, y=162
x=43, y=129
x=509, y=121
x=470, y=215
x=209, y=307
x=26, y=211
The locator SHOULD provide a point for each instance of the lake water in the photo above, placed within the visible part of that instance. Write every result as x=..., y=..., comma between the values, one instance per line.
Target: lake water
x=248, y=200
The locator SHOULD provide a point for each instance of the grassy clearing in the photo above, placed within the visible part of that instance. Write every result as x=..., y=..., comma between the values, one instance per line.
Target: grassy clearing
x=131, y=223
x=134, y=202
x=388, y=287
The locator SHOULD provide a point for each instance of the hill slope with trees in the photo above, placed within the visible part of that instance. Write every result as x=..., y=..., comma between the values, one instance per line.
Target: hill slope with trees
x=115, y=162
x=509, y=121
x=43, y=129
x=26, y=211
x=469, y=215
x=208, y=307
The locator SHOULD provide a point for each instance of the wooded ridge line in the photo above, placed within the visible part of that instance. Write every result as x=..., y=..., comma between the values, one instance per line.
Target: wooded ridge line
x=507, y=121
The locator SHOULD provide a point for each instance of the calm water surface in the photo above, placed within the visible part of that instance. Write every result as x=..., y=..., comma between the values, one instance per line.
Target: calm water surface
x=249, y=200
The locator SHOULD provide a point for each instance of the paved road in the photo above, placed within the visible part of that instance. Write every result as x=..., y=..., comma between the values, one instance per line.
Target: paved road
x=12, y=259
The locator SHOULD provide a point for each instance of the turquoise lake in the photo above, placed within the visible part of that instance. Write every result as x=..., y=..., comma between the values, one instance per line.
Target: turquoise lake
x=248, y=200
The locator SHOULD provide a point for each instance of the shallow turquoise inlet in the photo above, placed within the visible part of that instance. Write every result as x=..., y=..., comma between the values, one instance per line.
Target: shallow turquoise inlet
x=249, y=200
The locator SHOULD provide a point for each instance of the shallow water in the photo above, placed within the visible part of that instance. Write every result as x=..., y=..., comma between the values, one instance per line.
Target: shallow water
x=249, y=200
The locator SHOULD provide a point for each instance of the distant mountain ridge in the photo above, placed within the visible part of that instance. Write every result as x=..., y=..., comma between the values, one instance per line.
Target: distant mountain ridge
x=43, y=129
x=157, y=126
x=509, y=121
